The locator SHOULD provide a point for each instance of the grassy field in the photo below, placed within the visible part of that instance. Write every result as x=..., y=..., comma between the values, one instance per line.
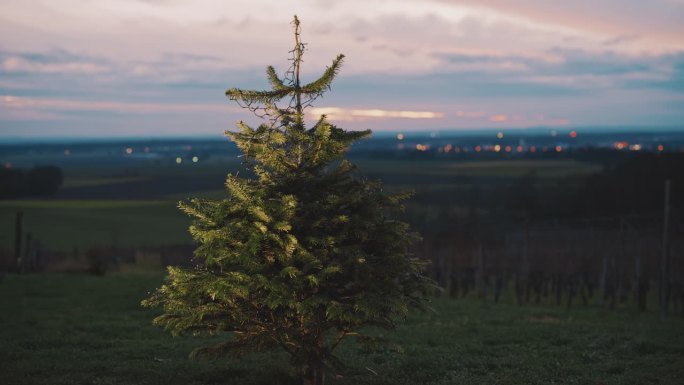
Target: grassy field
x=72, y=329
x=480, y=168
x=107, y=208
x=67, y=224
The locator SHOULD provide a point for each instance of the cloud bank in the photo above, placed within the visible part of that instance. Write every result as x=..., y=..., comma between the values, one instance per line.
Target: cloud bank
x=133, y=66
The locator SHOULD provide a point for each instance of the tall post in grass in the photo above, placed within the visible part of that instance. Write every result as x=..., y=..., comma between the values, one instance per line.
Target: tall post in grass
x=27, y=260
x=481, y=267
x=604, y=278
x=18, y=237
x=617, y=256
x=664, y=262
x=639, y=292
x=522, y=279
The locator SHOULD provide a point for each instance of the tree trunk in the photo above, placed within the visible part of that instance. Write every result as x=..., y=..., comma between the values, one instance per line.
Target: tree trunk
x=313, y=375
x=314, y=371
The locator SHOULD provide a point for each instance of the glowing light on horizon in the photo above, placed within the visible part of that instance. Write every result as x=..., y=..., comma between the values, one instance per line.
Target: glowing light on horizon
x=179, y=160
x=621, y=145
x=500, y=135
x=400, y=136
x=195, y=159
x=497, y=148
x=573, y=134
x=129, y=150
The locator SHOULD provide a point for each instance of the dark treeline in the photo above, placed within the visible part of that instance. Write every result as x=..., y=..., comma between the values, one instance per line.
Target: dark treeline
x=38, y=181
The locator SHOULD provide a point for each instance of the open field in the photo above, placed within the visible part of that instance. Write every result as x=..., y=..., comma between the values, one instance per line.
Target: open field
x=67, y=224
x=480, y=168
x=135, y=207
x=72, y=329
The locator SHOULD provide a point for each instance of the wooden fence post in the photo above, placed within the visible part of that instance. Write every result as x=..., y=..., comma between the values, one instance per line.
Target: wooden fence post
x=664, y=276
x=482, y=272
x=18, y=238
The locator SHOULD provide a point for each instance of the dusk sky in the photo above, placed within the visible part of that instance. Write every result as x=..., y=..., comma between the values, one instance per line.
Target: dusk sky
x=160, y=67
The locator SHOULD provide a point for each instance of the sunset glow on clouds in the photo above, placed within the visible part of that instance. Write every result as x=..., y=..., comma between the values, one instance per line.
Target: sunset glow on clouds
x=341, y=114
x=14, y=103
x=152, y=66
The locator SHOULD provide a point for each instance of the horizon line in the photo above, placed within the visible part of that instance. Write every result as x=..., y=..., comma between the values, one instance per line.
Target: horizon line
x=30, y=139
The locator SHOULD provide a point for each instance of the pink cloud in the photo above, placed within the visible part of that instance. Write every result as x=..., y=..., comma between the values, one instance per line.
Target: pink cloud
x=344, y=114
x=18, y=64
x=649, y=25
x=17, y=103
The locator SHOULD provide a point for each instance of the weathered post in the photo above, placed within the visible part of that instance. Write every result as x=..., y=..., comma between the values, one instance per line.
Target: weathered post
x=640, y=289
x=18, y=237
x=664, y=276
x=604, y=278
x=617, y=257
x=523, y=276
x=27, y=259
x=482, y=278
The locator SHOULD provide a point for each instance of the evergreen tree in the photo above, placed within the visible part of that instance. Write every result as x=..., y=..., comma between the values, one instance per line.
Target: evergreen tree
x=305, y=254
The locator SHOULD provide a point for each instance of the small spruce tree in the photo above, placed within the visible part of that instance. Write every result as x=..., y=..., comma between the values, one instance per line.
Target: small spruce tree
x=304, y=254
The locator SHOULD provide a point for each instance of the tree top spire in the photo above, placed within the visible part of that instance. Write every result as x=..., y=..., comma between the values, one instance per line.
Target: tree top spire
x=265, y=104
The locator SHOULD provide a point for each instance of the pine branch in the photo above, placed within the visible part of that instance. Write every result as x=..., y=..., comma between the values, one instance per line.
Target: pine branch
x=275, y=81
x=323, y=83
x=250, y=97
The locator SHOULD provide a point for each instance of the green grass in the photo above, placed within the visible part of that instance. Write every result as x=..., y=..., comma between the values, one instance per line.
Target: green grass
x=73, y=182
x=67, y=224
x=61, y=329
x=215, y=194
x=217, y=165
x=64, y=225
x=482, y=168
